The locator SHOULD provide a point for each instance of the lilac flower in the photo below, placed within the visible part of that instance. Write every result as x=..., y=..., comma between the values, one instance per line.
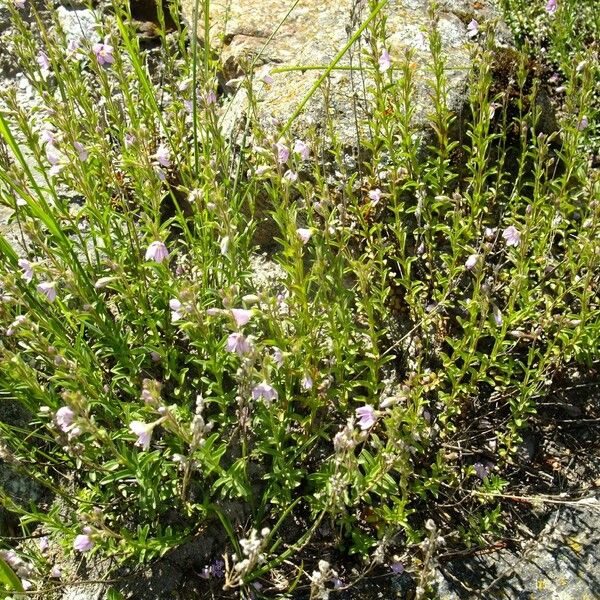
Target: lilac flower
x=143, y=431
x=48, y=288
x=154, y=356
x=241, y=316
x=64, y=418
x=385, y=61
x=238, y=343
x=283, y=152
x=304, y=234
x=157, y=251
x=218, y=568
x=551, y=7
x=278, y=356
x=52, y=155
x=302, y=149
x=19, y=320
x=268, y=79
x=397, y=567
x=472, y=28
x=481, y=470
x=20, y=4
x=129, y=139
x=163, y=156
x=73, y=48
x=472, y=261
x=83, y=542
x=176, y=310
x=583, y=123
x=82, y=153
x=55, y=572
x=43, y=60
x=103, y=53
x=43, y=543
x=307, y=382
x=47, y=136
x=27, y=269
x=265, y=391
x=512, y=236
x=366, y=416
x=375, y=195
x=210, y=98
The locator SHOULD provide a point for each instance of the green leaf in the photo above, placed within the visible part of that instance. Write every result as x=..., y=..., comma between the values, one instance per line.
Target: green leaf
x=113, y=594
x=9, y=578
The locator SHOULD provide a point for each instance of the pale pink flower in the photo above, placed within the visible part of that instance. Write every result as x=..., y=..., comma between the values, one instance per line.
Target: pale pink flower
x=176, y=310
x=385, y=61
x=157, y=251
x=268, y=79
x=47, y=136
x=27, y=585
x=583, y=123
x=143, y=431
x=19, y=320
x=304, y=234
x=20, y=4
x=241, y=316
x=43, y=543
x=55, y=159
x=163, y=156
x=103, y=53
x=375, y=195
x=302, y=149
x=551, y=7
x=43, y=60
x=55, y=572
x=237, y=342
x=83, y=543
x=82, y=153
x=48, y=288
x=64, y=418
x=366, y=416
x=278, y=356
x=27, y=268
x=512, y=236
x=283, y=152
x=472, y=28
x=265, y=391
x=472, y=261
x=290, y=176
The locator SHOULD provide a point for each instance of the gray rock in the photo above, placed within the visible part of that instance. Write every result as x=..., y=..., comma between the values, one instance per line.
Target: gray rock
x=563, y=562
x=313, y=34
x=78, y=24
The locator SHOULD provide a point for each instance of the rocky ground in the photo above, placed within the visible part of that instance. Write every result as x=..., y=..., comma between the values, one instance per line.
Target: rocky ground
x=552, y=549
